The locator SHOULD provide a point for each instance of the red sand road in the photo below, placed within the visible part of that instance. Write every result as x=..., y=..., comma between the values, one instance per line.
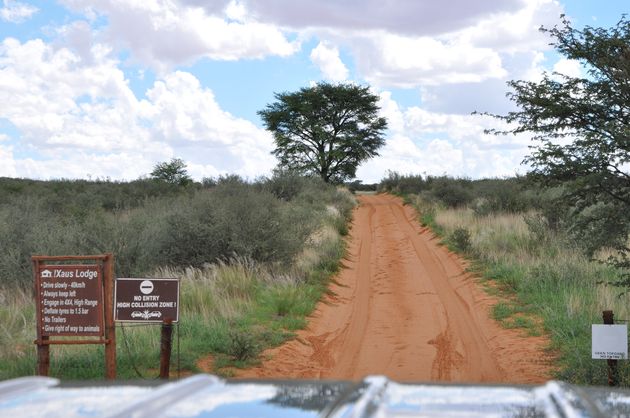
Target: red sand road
x=404, y=307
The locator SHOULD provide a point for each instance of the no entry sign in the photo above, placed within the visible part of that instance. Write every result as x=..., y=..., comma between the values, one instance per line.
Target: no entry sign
x=69, y=300
x=146, y=300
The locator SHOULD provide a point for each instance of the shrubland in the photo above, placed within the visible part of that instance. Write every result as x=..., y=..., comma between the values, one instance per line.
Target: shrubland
x=549, y=275
x=253, y=259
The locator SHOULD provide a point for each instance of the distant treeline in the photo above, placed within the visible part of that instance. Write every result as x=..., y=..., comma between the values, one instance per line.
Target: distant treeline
x=150, y=223
x=599, y=227
x=513, y=194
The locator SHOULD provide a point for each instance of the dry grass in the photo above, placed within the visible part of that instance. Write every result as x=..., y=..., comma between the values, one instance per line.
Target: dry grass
x=503, y=237
x=222, y=290
x=495, y=236
x=17, y=323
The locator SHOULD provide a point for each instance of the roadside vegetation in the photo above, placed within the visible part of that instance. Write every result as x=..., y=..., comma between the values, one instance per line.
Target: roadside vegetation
x=547, y=276
x=555, y=244
x=253, y=259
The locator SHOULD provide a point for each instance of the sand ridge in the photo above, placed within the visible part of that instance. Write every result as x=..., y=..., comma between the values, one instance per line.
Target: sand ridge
x=403, y=306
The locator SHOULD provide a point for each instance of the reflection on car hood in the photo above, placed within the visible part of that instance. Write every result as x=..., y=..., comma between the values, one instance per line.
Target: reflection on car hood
x=376, y=396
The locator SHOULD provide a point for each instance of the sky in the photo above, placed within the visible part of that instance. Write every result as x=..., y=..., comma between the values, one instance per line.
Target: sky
x=108, y=88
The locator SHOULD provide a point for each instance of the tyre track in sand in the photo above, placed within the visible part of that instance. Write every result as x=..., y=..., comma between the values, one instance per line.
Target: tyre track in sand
x=403, y=306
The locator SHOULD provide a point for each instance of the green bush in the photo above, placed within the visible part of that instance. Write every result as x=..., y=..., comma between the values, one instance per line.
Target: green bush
x=286, y=185
x=402, y=184
x=147, y=224
x=358, y=186
x=501, y=196
x=486, y=195
x=452, y=193
x=242, y=345
x=460, y=238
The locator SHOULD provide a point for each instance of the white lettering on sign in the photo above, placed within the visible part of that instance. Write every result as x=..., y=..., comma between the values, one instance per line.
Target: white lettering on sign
x=85, y=274
x=609, y=342
x=69, y=300
x=70, y=274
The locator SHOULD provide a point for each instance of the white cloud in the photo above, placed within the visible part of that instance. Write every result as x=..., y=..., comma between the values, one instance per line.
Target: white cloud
x=82, y=117
x=167, y=33
x=390, y=110
x=7, y=162
x=438, y=143
x=485, y=96
x=405, y=156
x=407, y=17
x=187, y=116
x=568, y=67
x=16, y=12
x=391, y=60
x=474, y=51
x=56, y=100
x=439, y=156
x=236, y=11
x=515, y=31
x=327, y=59
x=399, y=43
x=79, y=37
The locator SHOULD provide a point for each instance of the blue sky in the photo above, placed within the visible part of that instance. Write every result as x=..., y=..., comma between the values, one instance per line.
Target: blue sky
x=108, y=88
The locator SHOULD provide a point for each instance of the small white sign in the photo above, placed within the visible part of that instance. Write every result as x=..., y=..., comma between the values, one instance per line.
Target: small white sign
x=146, y=287
x=610, y=342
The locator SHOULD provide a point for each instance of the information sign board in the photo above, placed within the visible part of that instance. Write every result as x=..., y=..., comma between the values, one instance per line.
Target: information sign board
x=69, y=300
x=609, y=342
x=146, y=300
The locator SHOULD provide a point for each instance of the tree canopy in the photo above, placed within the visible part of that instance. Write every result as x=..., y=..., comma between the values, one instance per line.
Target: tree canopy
x=582, y=129
x=326, y=130
x=173, y=172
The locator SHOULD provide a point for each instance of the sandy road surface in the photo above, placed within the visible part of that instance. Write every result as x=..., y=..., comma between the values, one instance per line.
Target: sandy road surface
x=404, y=307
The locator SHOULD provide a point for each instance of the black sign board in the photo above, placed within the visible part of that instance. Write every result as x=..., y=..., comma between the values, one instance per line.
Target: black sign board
x=146, y=300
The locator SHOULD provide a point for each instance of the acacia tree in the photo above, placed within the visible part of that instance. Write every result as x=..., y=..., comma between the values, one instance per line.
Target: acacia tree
x=582, y=129
x=326, y=130
x=173, y=172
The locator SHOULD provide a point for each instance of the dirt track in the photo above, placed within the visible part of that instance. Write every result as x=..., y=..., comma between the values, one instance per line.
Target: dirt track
x=404, y=307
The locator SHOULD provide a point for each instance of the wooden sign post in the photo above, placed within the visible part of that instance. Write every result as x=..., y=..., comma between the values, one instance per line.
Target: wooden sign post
x=74, y=297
